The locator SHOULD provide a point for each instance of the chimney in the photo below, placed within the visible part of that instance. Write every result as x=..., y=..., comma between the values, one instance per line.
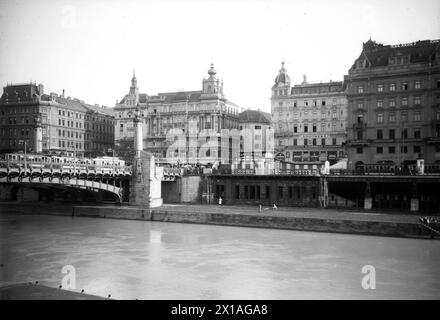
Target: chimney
x=40, y=89
x=304, y=79
x=63, y=93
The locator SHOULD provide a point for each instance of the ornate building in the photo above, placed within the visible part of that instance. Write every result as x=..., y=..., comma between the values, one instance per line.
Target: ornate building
x=309, y=119
x=197, y=115
x=63, y=121
x=394, y=104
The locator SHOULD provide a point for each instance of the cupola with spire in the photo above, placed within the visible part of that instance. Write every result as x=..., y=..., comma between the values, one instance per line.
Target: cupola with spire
x=213, y=86
x=282, y=78
x=133, y=95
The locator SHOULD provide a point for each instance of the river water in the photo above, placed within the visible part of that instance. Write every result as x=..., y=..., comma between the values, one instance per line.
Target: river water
x=154, y=260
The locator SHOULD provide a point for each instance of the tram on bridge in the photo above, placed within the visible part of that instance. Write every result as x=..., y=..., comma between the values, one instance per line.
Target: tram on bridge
x=39, y=166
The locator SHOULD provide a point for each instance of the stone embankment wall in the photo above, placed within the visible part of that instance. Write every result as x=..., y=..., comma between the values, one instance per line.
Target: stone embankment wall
x=244, y=220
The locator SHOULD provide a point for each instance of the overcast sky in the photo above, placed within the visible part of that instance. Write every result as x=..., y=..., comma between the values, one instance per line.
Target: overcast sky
x=90, y=48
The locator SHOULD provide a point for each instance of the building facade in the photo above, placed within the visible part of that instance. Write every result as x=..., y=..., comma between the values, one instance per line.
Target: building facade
x=256, y=140
x=309, y=120
x=394, y=104
x=178, y=119
x=63, y=121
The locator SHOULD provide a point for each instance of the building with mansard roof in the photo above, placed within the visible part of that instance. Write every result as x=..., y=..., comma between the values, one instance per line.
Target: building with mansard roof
x=191, y=112
x=394, y=104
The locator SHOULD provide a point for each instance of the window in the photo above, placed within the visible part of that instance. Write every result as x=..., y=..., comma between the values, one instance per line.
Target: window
x=360, y=89
x=379, y=149
x=295, y=104
x=392, y=87
x=306, y=128
x=360, y=119
x=379, y=103
x=334, y=141
x=417, y=116
x=417, y=149
x=404, y=133
x=405, y=86
x=379, y=134
x=404, y=101
x=315, y=103
x=380, y=88
x=323, y=142
x=416, y=100
x=391, y=149
x=314, y=142
x=392, y=117
x=392, y=103
x=417, y=134
x=295, y=129
x=403, y=149
x=379, y=118
x=314, y=128
x=359, y=134
x=295, y=142
x=392, y=134
x=417, y=84
x=360, y=105
x=359, y=150
x=267, y=192
x=305, y=142
x=323, y=102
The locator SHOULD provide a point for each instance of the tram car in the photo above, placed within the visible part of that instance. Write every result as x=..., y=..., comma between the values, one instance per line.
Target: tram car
x=31, y=165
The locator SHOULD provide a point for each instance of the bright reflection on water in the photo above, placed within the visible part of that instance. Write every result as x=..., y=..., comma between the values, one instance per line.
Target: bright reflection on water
x=152, y=260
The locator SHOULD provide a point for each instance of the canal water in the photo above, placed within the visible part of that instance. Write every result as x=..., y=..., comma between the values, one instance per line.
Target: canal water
x=154, y=260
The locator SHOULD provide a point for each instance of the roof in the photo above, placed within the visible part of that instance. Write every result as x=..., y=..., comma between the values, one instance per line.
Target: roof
x=23, y=91
x=377, y=55
x=254, y=116
x=320, y=87
x=101, y=109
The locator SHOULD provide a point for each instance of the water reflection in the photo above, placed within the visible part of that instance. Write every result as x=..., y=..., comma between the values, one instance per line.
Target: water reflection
x=150, y=260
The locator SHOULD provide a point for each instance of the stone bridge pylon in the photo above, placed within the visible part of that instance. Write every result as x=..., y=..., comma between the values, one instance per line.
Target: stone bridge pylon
x=146, y=177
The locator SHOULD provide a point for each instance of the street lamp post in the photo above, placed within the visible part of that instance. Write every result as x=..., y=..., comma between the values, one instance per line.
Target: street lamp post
x=25, y=153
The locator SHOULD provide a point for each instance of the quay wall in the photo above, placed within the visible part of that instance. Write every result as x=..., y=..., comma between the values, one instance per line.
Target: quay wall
x=260, y=220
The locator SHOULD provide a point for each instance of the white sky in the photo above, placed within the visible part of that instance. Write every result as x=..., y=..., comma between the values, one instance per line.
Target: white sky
x=89, y=48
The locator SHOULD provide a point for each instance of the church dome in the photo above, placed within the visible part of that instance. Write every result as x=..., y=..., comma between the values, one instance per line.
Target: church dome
x=282, y=76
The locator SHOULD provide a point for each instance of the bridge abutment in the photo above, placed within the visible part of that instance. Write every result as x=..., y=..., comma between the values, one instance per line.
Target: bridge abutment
x=145, y=183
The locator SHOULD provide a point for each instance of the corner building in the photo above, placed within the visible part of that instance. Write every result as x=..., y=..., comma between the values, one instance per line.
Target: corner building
x=394, y=104
x=63, y=122
x=309, y=120
x=205, y=109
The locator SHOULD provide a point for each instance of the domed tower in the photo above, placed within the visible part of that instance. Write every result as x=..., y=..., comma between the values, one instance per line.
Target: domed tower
x=282, y=82
x=280, y=93
x=213, y=86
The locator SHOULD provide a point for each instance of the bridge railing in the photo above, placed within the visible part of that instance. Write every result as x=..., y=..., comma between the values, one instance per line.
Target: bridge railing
x=388, y=170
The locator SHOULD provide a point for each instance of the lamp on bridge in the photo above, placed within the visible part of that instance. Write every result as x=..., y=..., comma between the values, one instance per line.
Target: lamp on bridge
x=38, y=136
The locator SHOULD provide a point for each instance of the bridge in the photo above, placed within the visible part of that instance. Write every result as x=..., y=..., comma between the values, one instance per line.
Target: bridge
x=108, y=178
